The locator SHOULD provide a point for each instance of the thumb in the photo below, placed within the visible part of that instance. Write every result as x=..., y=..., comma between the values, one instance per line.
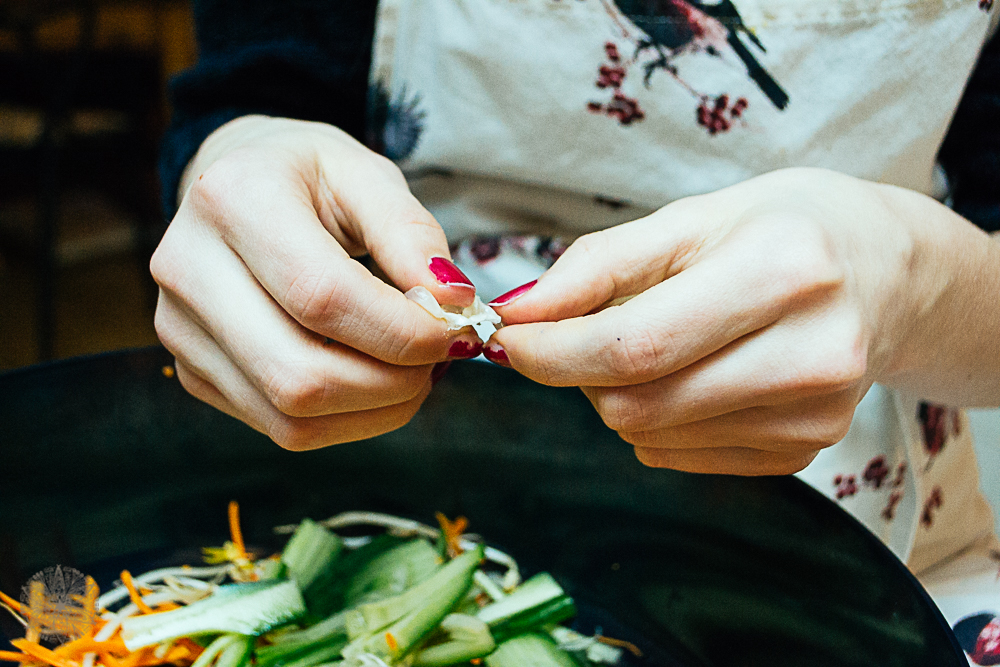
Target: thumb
x=376, y=206
x=599, y=270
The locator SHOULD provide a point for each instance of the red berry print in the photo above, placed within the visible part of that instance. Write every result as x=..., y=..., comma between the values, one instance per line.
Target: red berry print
x=934, y=501
x=716, y=116
x=846, y=486
x=875, y=472
x=937, y=422
x=624, y=109
x=889, y=511
x=900, y=474
x=610, y=76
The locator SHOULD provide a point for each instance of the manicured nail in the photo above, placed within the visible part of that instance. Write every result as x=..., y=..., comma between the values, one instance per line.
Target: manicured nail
x=448, y=274
x=463, y=349
x=438, y=371
x=496, y=354
x=504, y=299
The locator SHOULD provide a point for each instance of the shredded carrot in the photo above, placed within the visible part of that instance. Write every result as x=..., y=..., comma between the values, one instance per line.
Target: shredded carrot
x=134, y=594
x=234, y=528
x=476, y=661
x=621, y=643
x=11, y=602
x=108, y=659
x=191, y=645
x=10, y=656
x=43, y=654
x=166, y=606
x=143, y=656
x=77, y=648
x=391, y=642
x=452, y=532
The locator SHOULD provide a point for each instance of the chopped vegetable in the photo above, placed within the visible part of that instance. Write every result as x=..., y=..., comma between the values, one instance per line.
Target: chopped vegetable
x=414, y=596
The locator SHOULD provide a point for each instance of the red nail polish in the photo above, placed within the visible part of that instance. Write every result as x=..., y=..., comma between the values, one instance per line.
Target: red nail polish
x=438, y=371
x=463, y=349
x=506, y=298
x=496, y=354
x=448, y=274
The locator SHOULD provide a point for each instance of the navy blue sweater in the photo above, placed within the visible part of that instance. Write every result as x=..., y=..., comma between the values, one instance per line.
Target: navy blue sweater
x=309, y=59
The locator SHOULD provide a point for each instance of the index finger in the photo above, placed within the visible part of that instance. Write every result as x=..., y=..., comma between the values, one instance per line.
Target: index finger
x=272, y=224
x=729, y=292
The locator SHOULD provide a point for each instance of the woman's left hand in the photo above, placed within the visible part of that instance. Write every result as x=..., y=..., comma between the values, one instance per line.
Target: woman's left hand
x=762, y=315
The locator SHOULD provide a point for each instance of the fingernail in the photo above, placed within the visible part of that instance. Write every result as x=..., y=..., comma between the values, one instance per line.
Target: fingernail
x=448, y=274
x=463, y=349
x=438, y=371
x=504, y=299
x=496, y=354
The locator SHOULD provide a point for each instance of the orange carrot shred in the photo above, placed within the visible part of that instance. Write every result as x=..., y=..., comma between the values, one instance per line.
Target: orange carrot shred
x=391, y=642
x=134, y=594
x=620, y=643
x=191, y=645
x=452, y=532
x=10, y=656
x=108, y=659
x=42, y=653
x=11, y=602
x=234, y=528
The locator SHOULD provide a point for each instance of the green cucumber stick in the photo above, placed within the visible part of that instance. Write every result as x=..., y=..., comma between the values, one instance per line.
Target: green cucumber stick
x=237, y=653
x=373, y=616
x=404, y=634
x=535, y=619
x=468, y=638
x=529, y=650
x=537, y=591
x=311, y=550
x=246, y=609
x=392, y=572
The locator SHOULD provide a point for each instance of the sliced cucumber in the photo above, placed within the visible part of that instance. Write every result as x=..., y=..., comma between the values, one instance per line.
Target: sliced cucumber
x=395, y=641
x=535, y=592
x=310, y=551
x=529, y=650
x=468, y=638
x=246, y=609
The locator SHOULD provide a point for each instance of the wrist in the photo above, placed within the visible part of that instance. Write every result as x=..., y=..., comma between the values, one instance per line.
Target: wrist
x=944, y=348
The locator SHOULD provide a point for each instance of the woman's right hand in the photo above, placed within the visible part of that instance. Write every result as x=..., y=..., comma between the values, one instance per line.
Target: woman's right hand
x=270, y=318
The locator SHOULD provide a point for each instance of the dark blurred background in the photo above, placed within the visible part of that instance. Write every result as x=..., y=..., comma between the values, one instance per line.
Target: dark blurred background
x=82, y=107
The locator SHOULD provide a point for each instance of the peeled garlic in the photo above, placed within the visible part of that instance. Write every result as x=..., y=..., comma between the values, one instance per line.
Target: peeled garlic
x=470, y=316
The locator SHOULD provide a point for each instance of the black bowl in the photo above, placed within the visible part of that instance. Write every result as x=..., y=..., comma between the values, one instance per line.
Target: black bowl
x=105, y=463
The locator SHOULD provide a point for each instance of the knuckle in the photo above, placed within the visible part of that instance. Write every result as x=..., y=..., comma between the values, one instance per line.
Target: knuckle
x=839, y=362
x=621, y=411
x=802, y=264
x=398, y=346
x=296, y=435
x=299, y=390
x=789, y=465
x=212, y=190
x=314, y=297
x=594, y=244
x=165, y=329
x=651, y=457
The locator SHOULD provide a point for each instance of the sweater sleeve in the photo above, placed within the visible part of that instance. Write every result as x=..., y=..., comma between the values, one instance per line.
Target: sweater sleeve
x=304, y=59
x=970, y=153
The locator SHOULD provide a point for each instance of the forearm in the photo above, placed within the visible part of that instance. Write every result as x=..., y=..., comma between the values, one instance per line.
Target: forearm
x=949, y=350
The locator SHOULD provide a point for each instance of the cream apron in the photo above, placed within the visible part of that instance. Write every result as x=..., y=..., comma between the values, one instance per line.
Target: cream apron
x=520, y=120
